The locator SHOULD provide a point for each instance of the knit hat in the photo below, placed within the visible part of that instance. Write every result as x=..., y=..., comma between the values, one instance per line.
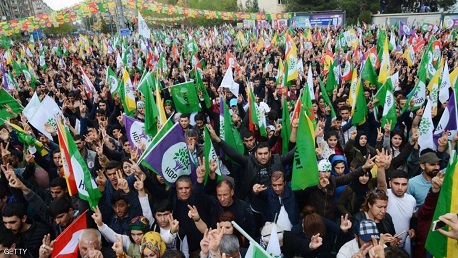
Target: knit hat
x=140, y=223
x=140, y=104
x=324, y=165
x=168, y=102
x=153, y=241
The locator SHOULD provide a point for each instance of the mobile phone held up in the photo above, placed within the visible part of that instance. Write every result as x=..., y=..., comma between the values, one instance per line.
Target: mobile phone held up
x=438, y=224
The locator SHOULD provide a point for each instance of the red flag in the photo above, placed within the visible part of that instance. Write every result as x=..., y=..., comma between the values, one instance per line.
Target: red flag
x=417, y=47
x=231, y=61
x=66, y=244
x=68, y=172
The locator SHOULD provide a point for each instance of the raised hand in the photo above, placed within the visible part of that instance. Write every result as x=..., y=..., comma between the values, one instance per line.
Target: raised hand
x=315, y=242
x=101, y=180
x=174, y=224
x=97, y=216
x=193, y=213
x=377, y=249
x=139, y=185
x=122, y=182
x=414, y=135
x=345, y=223
x=369, y=162
x=117, y=246
x=379, y=134
x=4, y=150
x=387, y=127
x=200, y=170
x=257, y=188
x=47, y=247
x=437, y=182
x=215, y=236
x=451, y=219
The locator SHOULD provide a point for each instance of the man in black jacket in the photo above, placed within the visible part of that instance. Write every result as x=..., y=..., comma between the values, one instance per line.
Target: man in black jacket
x=27, y=233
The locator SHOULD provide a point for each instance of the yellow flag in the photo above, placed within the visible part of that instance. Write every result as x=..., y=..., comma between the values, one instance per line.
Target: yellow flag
x=353, y=88
x=384, y=64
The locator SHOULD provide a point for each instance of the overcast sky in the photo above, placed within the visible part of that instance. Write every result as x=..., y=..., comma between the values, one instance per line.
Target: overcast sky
x=59, y=4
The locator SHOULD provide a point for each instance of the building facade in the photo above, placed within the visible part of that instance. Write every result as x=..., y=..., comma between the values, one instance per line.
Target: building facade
x=15, y=9
x=268, y=6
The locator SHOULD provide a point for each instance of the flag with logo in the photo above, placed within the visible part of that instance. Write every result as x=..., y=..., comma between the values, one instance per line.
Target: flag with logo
x=143, y=29
x=113, y=81
x=43, y=60
x=291, y=58
x=305, y=166
x=32, y=106
x=404, y=29
x=46, y=112
x=75, y=165
x=384, y=63
x=426, y=129
x=169, y=157
x=24, y=137
x=66, y=244
x=360, y=111
x=436, y=243
x=368, y=73
x=445, y=84
x=448, y=121
x=127, y=93
x=135, y=131
x=418, y=93
x=285, y=127
x=185, y=97
x=389, y=109
x=228, y=82
x=256, y=117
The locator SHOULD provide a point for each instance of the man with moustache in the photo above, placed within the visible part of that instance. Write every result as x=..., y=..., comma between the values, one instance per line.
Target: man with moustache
x=419, y=185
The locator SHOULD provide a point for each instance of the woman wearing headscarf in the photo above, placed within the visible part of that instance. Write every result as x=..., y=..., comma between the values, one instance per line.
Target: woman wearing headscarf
x=358, y=148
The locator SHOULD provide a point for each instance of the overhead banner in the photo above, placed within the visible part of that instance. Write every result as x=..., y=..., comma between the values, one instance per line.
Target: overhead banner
x=450, y=21
x=305, y=20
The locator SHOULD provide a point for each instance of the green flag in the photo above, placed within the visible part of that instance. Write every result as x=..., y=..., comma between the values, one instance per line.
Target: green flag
x=185, y=98
x=228, y=132
x=16, y=68
x=326, y=99
x=5, y=42
x=285, y=127
x=7, y=100
x=368, y=73
x=43, y=60
x=331, y=81
x=360, y=112
x=150, y=107
x=305, y=166
x=436, y=243
x=201, y=88
x=210, y=154
x=257, y=118
x=389, y=109
x=113, y=81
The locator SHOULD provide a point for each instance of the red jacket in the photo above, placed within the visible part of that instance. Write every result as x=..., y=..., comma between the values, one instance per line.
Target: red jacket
x=425, y=217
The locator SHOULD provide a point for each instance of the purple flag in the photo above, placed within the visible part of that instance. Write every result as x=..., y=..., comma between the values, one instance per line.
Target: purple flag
x=448, y=120
x=170, y=157
x=404, y=29
x=135, y=131
x=5, y=78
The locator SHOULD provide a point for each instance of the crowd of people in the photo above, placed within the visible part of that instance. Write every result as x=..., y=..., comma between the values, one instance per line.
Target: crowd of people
x=377, y=187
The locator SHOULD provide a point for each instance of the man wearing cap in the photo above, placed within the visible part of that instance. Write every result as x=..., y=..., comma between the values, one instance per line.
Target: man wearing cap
x=419, y=185
x=140, y=113
x=363, y=236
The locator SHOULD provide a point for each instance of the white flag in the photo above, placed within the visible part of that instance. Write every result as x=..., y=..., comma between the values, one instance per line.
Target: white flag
x=273, y=247
x=143, y=29
x=228, y=82
x=46, y=112
x=445, y=84
x=283, y=219
x=310, y=82
x=426, y=128
x=32, y=107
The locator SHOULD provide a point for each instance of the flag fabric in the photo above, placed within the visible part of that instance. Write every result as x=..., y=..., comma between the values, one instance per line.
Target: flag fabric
x=255, y=251
x=7, y=99
x=128, y=97
x=256, y=117
x=88, y=86
x=228, y=82
x=389, y=109
x=305, y=166
x=162, y=118
x=74, y=164
x=231, y=61
x=331, y=81
x=143, y=29
x=169, y=157
x=448, y=121
x=360, y=112
x=285, y=127
x=24, y=137
x=66, y=244
x=310, y=82
x=32, y=106
x=418, y=93
x=445, y=84
x=404, y=29
x=185, y=97
x=112, y=80
x=43, y=60
x=368, y=73
x=291, y=58
x=46, y=112
x=150, y=106
x=273, y=247
x=353, y=91
x=436, y=243
x=346, y=73
x=409, y=55
x=283, y=219
x=135, y=131
x=203, y=93
x=228, y=132
x=164, y=129
x=210, y=154
x=426, y=128
x=326, y=98
x=384, y=63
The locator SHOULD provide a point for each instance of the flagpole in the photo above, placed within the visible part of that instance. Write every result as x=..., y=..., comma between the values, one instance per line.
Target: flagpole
x=236, y=226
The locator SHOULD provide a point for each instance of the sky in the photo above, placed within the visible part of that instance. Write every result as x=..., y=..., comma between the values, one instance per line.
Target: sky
x=59, y=4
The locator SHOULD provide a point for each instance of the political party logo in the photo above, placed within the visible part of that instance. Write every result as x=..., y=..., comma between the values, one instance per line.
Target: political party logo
x=137, y=133
x=406, y=29
x=448, y=22
x=113, y=83
x=178, y=165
